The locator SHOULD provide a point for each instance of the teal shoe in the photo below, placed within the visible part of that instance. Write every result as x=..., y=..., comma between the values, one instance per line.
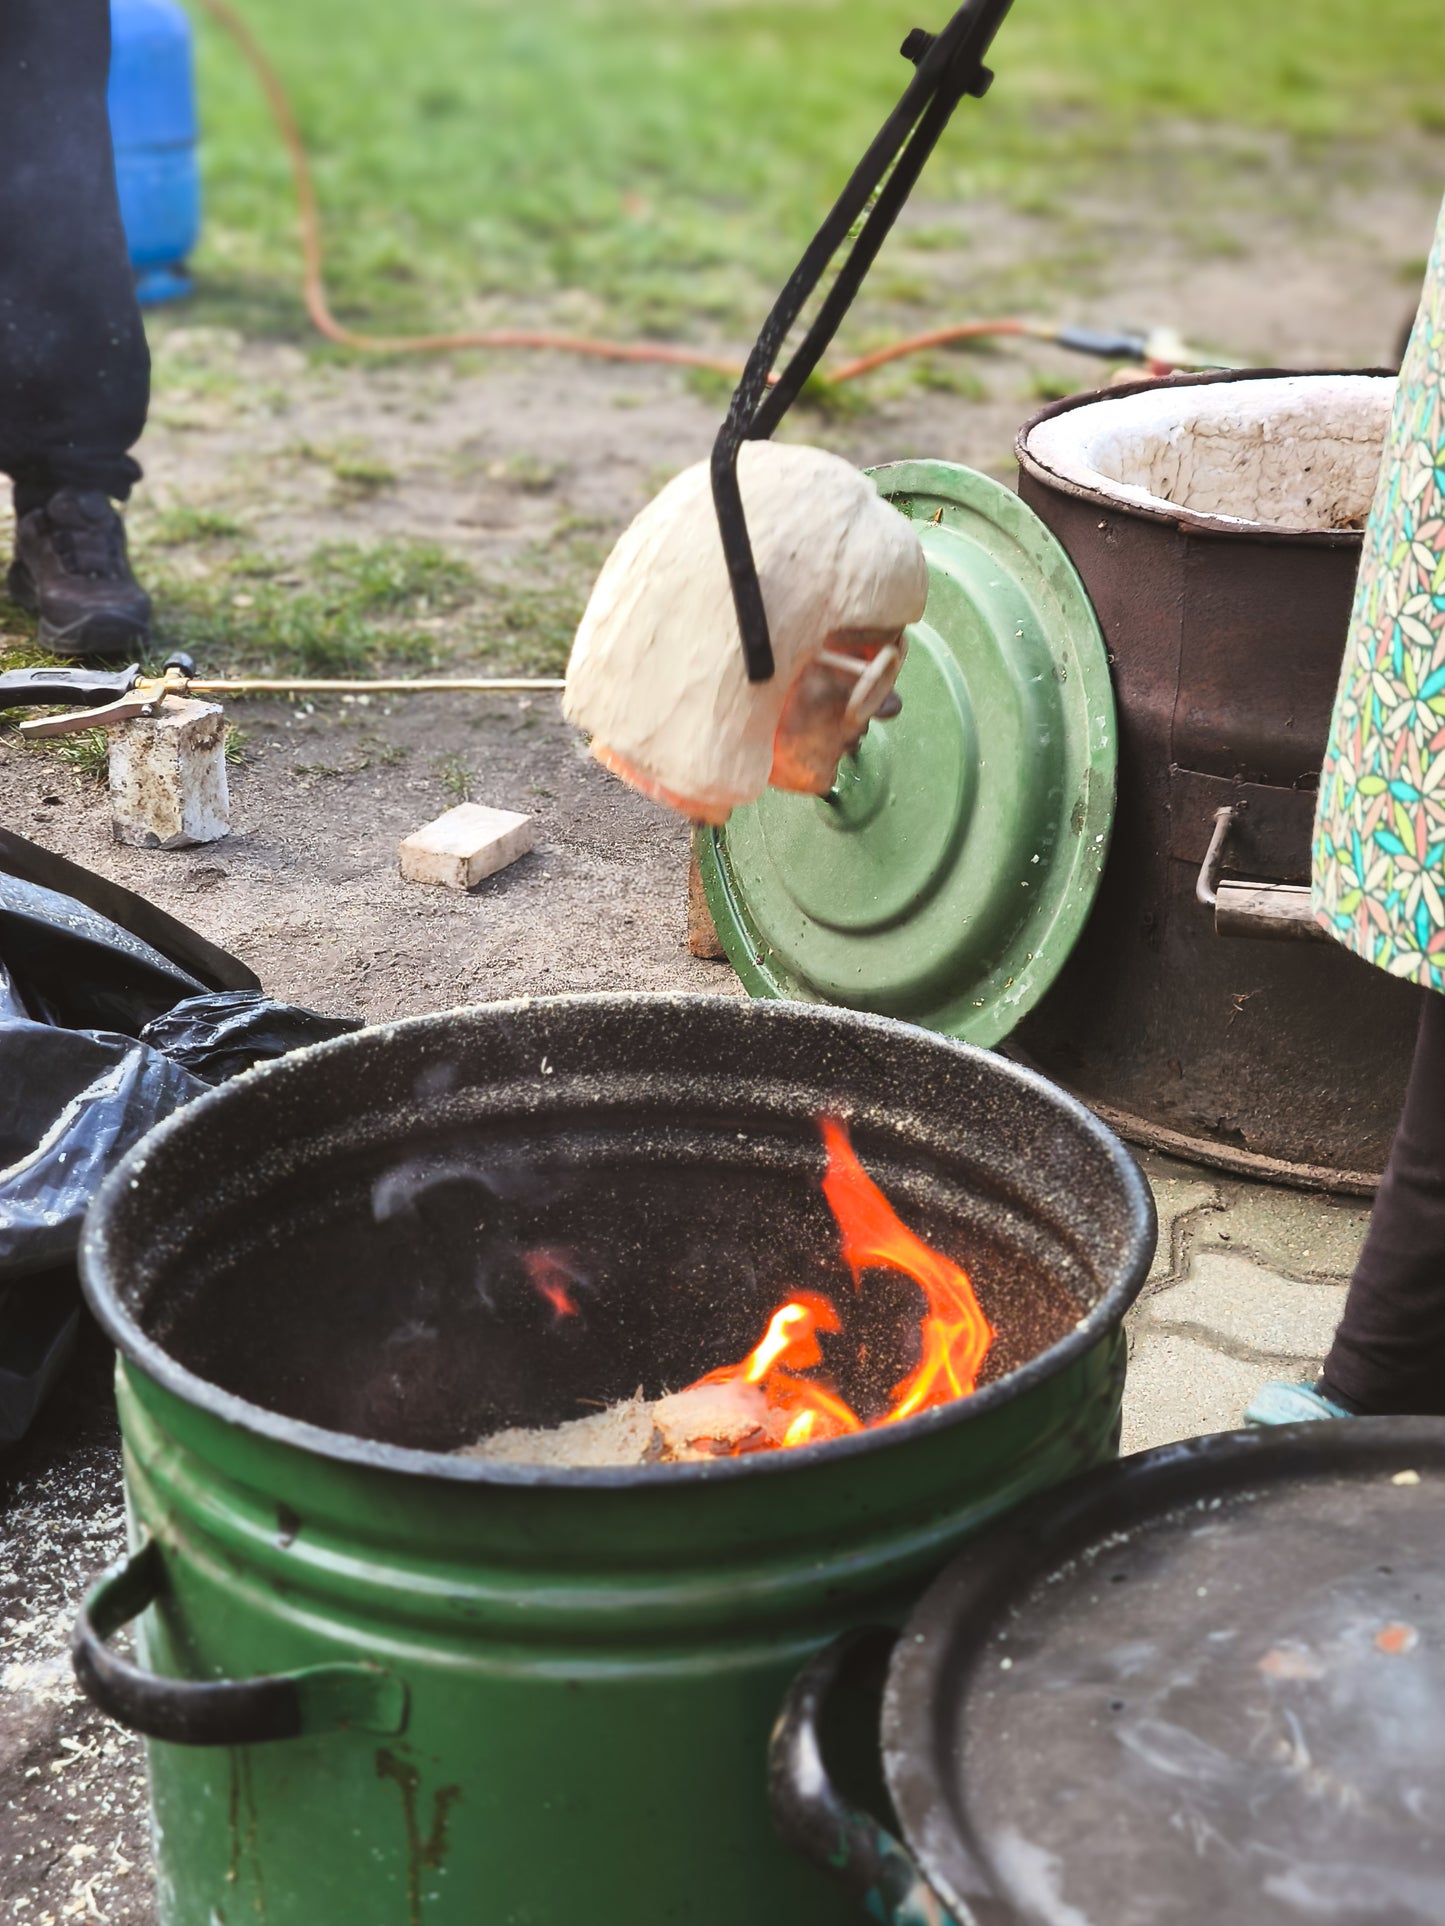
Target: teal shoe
x=1292, y=1404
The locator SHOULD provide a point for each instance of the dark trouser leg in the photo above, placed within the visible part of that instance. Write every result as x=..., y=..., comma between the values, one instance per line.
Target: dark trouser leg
x=74, y=368
x=1389, y=1352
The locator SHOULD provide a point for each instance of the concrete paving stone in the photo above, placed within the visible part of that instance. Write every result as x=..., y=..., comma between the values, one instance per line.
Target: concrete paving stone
x=1238, y=1302
x=1178, y=1388
x=1178, y=1189
x=1287, y=1230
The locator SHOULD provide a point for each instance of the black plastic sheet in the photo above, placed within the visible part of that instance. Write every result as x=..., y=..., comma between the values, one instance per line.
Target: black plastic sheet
x=102, y=1034
x=218, y=1035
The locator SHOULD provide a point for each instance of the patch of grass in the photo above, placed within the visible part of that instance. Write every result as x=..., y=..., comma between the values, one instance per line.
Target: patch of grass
x=947, y=377
x=351, y=765
x=675, y=160
x=1048, y=387
x=1208, y=241
x=709, y=385
x=86, y=754
x=349, y=609
x=531, y=624
x=371, y=750
x=578, y=533
x=363, y=474
x=389, y=577
x=528, y=472
x=933, y=239
x=18, y=647
x=835, y=402
x=910, y=290
x=178, y=526
x=357, y=469
x=455, y=778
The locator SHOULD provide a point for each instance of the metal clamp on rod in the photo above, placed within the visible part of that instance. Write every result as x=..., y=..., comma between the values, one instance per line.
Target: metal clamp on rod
x=949, y=65
x=1273, y=910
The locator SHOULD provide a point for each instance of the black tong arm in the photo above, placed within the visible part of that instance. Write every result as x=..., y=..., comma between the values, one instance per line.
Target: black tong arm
x=71, y=688
x=948, y=66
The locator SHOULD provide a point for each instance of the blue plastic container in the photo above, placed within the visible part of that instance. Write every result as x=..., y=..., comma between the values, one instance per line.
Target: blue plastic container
x=153, y=126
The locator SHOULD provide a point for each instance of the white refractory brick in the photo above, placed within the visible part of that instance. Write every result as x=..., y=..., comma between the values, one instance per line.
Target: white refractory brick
x=168, y=776
x=467, y=844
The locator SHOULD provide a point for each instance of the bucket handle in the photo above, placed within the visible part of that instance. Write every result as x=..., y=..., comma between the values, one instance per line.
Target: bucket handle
x=285, y=1705
x=814, y=1818
x=1251, y=909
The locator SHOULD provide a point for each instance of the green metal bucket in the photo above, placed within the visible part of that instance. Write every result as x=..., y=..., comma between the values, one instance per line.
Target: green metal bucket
x=391, y=1687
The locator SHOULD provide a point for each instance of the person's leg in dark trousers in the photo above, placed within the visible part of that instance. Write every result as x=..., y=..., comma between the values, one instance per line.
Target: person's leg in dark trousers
x=74, y=367
x=1389, y=1352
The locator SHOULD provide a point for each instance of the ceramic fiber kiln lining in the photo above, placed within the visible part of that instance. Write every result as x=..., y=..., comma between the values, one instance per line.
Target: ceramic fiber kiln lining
x=1296, y=452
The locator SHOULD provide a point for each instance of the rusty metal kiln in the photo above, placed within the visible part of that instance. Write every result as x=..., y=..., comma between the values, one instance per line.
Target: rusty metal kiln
x=1169, y=601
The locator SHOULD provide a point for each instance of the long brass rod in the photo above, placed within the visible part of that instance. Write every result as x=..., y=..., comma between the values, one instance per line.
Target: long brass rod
x=418, y=685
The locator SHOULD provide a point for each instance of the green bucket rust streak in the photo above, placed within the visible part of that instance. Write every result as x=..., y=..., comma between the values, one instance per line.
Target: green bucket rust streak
x=244, y=1793
x=421, y=1855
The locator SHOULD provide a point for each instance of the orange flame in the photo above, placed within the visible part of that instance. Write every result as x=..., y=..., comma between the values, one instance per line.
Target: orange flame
x=955, y=1334
x=788, y=1346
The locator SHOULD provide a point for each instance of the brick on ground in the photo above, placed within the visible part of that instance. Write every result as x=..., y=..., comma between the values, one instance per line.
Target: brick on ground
x=466, y=845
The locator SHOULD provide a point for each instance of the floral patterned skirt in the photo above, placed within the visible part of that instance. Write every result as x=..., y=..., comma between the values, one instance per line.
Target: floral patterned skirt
x=1379, y=852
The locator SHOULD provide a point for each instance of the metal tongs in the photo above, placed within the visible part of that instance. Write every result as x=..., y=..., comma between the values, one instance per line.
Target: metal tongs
x=948, y=66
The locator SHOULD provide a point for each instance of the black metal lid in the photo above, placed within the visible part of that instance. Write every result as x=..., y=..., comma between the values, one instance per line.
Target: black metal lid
x=1207, y=1684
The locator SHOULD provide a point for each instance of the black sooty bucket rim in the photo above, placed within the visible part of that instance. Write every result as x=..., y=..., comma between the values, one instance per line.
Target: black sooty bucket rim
x=346, y=1448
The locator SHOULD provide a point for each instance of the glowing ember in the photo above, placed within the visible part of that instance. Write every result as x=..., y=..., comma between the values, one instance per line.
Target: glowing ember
x=954, y=1333
x=549, y=1274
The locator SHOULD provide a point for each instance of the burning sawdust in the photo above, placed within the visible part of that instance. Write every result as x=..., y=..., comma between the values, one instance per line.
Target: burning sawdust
x=778, y=1397
x=704, y=1421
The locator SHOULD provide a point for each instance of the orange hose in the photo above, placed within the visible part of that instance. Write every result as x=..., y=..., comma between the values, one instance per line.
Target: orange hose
x=324, y=321
x=936, y=338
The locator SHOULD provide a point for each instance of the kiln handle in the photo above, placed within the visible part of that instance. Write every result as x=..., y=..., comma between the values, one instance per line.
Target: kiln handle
x=287, y=1705
x=1275, y=911
x=812, y=1815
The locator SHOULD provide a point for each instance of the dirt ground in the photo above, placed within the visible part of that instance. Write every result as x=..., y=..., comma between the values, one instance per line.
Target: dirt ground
x=306, y=888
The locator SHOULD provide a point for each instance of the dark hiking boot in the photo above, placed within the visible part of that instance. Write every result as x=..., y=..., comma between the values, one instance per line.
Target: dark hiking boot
x=71, y=569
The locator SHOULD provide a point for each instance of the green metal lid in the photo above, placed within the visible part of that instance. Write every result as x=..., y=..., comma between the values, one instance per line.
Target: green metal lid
x=948, y=874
